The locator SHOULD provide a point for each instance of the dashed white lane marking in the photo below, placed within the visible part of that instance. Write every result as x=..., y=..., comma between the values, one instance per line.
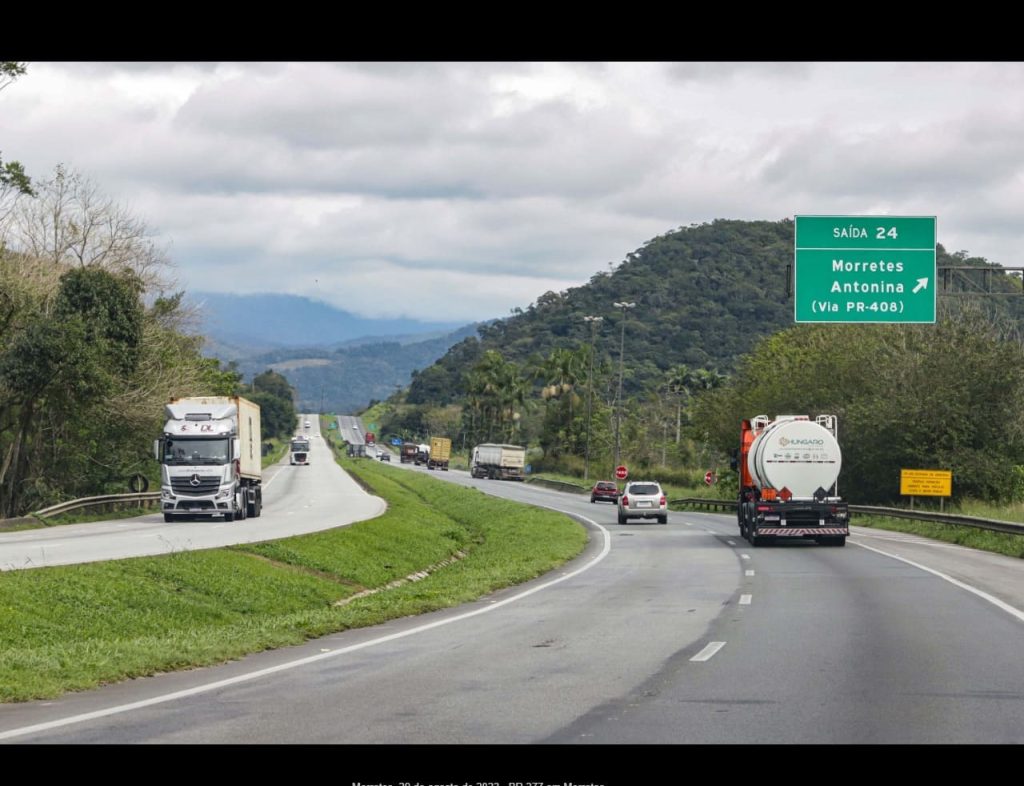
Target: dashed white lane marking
x=731, y=542
x=253, y=675
x=744, y=556
x=749, y=573
x=708, y=652
x=955, y=582
x=746, y=599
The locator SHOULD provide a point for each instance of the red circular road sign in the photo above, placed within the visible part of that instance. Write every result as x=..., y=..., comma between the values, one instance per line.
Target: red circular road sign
x=621, y=472
x=709, y=477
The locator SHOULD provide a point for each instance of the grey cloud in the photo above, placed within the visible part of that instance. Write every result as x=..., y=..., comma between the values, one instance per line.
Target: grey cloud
x=894, y=162
x=722, y=71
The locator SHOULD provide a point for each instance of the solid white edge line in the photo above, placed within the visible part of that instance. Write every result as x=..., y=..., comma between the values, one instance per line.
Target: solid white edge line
x=745, y=600
x=955, y=582
x=749, y=573
x=136, y=705
x=708, y=652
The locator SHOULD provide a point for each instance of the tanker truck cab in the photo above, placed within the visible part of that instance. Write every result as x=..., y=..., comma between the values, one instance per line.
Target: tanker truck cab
x=788, y=470
x=210, y=458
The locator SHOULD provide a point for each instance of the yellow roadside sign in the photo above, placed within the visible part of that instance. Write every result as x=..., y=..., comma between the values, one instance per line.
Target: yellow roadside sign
x=926, y=483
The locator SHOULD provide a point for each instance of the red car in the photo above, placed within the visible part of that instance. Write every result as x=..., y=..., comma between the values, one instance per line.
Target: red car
x=605, y=491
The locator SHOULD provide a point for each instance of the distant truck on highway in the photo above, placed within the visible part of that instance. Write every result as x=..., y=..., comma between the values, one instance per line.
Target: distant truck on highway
x=788, y=468
x=498, y=462
x=210, y=458
x=371, y=438
x=440, y=453
x=298, y=453
x=422, y=454
x=408, y=452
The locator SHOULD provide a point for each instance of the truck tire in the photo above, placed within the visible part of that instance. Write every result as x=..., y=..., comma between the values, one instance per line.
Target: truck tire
x=229, y=515
x=622, y=519
x=168, y=518
x=663, y=519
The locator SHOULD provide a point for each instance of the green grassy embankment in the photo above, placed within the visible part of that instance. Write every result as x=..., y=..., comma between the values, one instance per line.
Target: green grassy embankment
x=75, y=627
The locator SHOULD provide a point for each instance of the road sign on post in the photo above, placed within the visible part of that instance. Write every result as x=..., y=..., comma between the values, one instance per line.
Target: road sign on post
x=926, y=482
x=864, y=269
x=621, y=473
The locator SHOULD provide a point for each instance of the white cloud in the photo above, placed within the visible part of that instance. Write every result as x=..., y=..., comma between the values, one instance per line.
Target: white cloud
x=472, y=188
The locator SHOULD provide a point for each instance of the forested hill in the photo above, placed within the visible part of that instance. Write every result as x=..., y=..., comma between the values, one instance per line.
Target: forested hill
x=704, y=295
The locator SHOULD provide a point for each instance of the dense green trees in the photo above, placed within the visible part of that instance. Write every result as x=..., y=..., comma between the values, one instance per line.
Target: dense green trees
x=92, y=344
x=276, y=397
x=944, y=396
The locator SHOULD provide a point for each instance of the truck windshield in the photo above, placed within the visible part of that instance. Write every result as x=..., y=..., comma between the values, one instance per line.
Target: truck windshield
x=196, y=451
x=300, y=445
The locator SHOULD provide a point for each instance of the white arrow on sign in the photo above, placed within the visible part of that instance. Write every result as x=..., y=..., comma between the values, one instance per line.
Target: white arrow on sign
x=922, y=283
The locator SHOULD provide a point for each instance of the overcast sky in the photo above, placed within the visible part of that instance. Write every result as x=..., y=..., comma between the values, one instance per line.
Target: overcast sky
x=459, y=191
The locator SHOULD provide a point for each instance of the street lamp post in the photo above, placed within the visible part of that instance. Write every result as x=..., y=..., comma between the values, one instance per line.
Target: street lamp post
x=594, y=321
x=618, y=399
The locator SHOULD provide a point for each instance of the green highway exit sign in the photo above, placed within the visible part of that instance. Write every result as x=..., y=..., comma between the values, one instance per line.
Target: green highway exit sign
x=864, y=269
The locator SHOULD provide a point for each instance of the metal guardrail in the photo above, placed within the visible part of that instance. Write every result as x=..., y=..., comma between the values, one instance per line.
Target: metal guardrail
x=112, y=500
x=871, y=510
x=559, y=485
x=941, y=518
x=710, y=504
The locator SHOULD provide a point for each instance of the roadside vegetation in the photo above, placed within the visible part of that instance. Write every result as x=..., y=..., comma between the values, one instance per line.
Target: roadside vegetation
x=985, y=540
x=75, y=627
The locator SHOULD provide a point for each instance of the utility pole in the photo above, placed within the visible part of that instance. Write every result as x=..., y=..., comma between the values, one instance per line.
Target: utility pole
x=594, y=321
x=618, y=398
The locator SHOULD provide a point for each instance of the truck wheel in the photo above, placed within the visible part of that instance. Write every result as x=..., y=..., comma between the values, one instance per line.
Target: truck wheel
x=229, y=515
x=663, y=519
x=168, y=518
x=622, y=519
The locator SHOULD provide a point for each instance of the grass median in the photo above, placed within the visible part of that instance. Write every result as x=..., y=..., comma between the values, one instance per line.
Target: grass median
x=76, y=627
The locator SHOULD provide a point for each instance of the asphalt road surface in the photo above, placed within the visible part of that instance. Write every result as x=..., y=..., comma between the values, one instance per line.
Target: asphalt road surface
x=677, y=633
x=296, y=500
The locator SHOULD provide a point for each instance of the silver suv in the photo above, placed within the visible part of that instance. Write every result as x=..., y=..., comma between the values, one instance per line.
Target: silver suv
x=643, y=499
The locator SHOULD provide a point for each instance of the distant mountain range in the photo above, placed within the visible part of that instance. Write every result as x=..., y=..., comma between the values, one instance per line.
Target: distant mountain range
x=331, y=357
x=239, y=326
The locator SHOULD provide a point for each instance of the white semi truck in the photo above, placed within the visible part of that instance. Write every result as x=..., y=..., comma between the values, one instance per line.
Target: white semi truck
x=498, y=462
x=298, y=454
x=211, y=459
